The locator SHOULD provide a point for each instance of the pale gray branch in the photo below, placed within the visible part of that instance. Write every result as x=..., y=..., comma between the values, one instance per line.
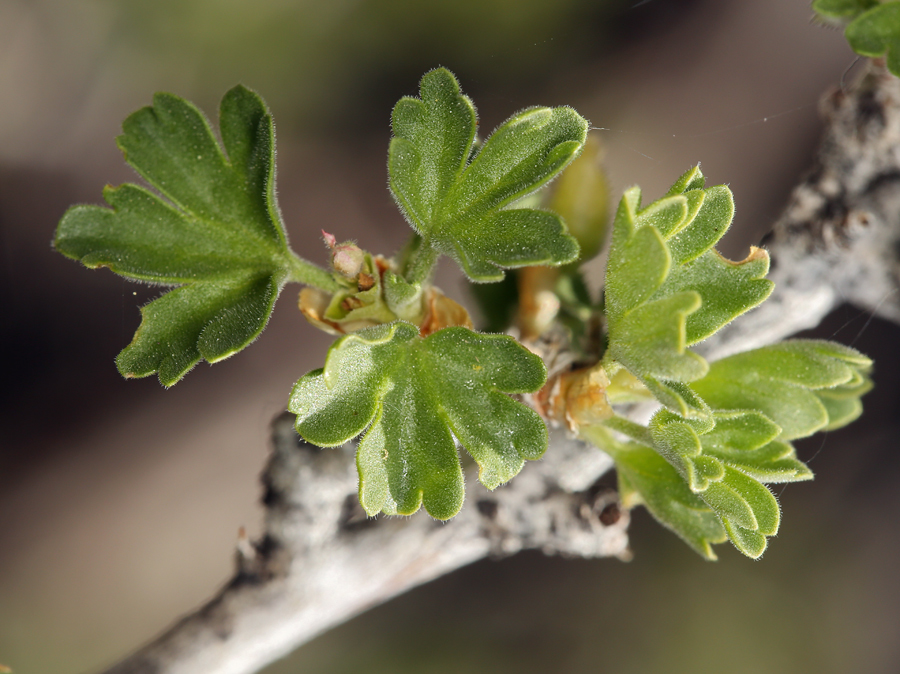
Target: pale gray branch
x=322, y=561
x=838, y=240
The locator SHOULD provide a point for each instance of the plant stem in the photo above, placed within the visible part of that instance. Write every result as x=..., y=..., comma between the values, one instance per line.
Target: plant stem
x=602, y=437
x=422, y=263
x=404, y=257
x=631, y=429
x=304, y=271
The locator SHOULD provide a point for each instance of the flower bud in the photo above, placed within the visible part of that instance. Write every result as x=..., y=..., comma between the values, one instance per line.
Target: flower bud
x=347, y=258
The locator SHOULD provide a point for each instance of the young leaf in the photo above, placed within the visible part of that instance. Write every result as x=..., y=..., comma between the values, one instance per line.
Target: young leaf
x=710, y=456
x=414, y=395
x=458, y=201
x=797, y=384
x=645, y=478
x=746, y=441
x=876, y=32
x=667, y=288
x=748, y=510
x=678, y=441
x=217, y=234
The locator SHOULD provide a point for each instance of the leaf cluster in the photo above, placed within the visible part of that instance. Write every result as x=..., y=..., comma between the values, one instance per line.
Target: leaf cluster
x=212, y=229
x=668, y=288
x=409, y=375
x=726, y=427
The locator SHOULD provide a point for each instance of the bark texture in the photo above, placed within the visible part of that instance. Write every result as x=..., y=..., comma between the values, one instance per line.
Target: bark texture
x=322, y=561
x=838, y=240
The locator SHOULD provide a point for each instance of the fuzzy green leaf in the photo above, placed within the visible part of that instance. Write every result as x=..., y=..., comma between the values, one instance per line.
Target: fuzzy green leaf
x=748, y=510
x=457, y=200
x=217, y=232
x=797, y=384
x=645, y=478
x=746, y=441
x=667, y=288
x=678, y=441
x=412, y=393
x=724, y=462
x=876, y=32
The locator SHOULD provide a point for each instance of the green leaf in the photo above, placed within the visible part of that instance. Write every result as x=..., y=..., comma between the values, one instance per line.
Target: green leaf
x=723, y=462
x=790, y=383
x=414, y=395
x=667, y=288
x=746, y=441
x=458, y=200
x=748, y=510
x=678, y=441
x=645, y=478
x=215, y=231
x=876, y=32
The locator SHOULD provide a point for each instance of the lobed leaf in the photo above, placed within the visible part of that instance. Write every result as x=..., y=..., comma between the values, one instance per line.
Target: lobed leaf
x=645, y=478
x=724, y=461
x=746, y=441
x=455, y=195
x=414, y=395
x=803, y=386
x=667, y=288
x=217, y=231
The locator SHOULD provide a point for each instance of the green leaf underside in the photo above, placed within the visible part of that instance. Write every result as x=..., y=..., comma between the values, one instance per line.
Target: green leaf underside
x=457, y=201
x=725, y=465
x=414, y=395
x=796, y=384
x=756, y=402
x=218, y=231
x=876, y=32
x=667, y=288
x=645, y=478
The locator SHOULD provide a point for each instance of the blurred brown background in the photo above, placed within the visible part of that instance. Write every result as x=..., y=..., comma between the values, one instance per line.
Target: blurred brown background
x=120, y=502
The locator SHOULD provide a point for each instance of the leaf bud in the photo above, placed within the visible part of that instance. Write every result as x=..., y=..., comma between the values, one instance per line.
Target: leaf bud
x=581, y=197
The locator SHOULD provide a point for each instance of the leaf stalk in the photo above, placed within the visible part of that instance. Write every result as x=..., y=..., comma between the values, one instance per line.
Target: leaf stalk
x=422, y=263
x=307, y=273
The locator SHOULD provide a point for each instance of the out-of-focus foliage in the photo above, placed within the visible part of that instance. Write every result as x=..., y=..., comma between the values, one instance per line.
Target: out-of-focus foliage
x=319, y=57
